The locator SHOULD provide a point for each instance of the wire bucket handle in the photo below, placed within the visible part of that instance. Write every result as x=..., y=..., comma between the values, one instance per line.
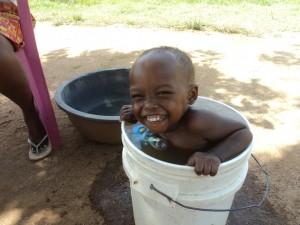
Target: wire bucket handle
x=152, y=187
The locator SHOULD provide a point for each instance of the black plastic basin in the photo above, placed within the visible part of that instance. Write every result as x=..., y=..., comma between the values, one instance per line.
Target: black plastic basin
x=93, y=101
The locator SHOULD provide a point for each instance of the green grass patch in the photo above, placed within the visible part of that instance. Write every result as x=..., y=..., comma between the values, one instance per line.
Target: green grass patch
x=249, y=17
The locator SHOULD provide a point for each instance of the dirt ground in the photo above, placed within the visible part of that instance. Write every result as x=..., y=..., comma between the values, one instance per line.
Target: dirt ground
x=82, y=182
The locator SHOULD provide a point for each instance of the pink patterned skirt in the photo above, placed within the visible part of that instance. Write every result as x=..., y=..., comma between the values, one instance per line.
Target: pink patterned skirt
x=10, y=25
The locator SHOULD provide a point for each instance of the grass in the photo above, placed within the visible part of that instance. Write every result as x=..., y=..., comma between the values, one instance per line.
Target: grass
x=248, y=17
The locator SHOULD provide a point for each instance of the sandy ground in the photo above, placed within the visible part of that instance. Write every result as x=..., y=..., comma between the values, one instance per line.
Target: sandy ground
x=257, y=76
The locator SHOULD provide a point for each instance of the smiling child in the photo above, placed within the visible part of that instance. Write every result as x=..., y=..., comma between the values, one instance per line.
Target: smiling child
x=162, y=90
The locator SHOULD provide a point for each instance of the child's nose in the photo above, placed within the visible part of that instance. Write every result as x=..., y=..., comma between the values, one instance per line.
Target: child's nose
x=150, y=103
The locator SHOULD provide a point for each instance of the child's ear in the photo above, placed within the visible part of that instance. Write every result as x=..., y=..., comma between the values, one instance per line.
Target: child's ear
x=193, y=93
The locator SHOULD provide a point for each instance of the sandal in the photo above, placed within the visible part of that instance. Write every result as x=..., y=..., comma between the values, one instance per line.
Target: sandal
x=39, y=151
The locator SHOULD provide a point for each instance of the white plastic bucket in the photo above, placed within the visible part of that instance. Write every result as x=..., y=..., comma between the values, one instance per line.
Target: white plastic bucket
x=182, y=184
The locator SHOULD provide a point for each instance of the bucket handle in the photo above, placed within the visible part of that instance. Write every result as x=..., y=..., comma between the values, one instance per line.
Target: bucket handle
x=222, y=210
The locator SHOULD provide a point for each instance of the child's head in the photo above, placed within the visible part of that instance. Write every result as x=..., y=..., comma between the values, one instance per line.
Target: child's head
x=176, y=57
x=162, y=88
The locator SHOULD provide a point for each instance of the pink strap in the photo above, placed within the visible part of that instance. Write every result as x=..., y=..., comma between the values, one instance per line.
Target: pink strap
x=30, y=59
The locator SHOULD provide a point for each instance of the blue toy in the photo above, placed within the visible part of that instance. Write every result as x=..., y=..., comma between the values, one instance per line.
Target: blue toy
x=142, y=135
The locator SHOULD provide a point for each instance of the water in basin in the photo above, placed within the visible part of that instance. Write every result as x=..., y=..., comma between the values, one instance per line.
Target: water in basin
x=108, y=108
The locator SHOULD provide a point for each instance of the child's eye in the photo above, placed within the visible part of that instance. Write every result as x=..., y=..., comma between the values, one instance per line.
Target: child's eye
x=136, y=96
x=164, y=93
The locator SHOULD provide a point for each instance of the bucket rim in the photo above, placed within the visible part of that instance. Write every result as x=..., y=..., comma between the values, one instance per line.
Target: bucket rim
x=222, y=166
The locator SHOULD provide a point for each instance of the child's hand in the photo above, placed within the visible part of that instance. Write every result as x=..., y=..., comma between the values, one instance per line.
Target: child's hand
x=127, y=115
x=205, y=163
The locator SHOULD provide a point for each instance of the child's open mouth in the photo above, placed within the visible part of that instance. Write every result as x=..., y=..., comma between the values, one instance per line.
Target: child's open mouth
x=155, y=118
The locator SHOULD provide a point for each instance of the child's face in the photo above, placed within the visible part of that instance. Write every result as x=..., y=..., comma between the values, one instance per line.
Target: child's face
x=160, y=94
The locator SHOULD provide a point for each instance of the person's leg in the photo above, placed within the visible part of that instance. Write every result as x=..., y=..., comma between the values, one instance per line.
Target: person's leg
x=15, y=86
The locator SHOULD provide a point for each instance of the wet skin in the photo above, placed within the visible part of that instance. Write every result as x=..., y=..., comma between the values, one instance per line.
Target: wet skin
x=161, y=99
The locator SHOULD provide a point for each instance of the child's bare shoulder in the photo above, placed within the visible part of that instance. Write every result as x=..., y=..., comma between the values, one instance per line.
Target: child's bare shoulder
x=202, y=114
x=201, y=118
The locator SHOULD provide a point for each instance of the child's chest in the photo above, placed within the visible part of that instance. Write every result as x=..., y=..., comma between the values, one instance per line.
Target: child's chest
x=186, y=140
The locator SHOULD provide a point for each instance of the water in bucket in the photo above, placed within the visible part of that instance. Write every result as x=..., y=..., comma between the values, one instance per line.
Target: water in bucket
x=156, y=146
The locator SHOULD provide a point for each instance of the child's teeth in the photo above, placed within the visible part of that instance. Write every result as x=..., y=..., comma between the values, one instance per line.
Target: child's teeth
x=153, y=118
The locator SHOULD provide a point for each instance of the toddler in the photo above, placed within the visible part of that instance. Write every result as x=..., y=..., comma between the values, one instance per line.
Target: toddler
x=162, y=90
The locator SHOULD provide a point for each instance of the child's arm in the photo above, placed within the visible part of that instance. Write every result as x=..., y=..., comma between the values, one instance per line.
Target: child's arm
x=127, y=115
x=233, y=144
x=229, y=138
